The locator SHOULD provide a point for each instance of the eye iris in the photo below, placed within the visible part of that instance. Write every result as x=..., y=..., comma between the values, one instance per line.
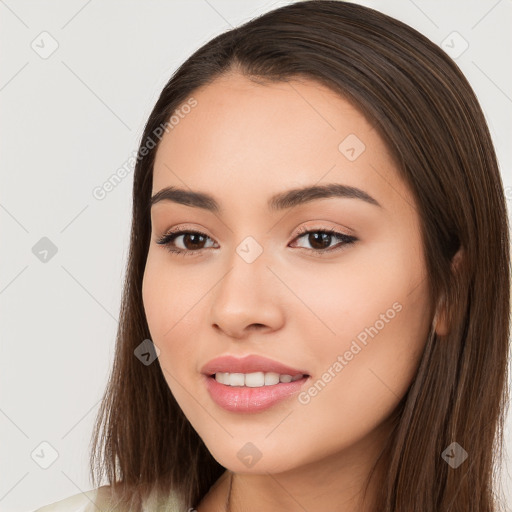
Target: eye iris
x=319, y=240
x=194, y=239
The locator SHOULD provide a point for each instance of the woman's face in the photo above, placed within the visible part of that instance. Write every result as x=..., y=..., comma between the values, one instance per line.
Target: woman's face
x=350, y=309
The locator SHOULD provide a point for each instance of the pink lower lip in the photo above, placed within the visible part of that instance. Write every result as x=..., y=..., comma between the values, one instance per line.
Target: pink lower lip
x=245, y=399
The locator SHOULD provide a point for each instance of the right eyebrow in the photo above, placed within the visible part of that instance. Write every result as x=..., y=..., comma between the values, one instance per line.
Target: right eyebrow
x=186, y=197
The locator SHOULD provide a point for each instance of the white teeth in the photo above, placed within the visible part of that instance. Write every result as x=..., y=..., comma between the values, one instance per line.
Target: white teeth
x=254, y=380
x=271, y=378
x=219, y=377
x=235, y=379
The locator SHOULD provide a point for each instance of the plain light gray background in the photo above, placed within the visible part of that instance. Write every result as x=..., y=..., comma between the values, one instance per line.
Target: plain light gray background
x=69, y=121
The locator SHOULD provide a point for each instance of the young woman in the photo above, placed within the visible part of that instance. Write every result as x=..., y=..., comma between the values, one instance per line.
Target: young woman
x=316, y=308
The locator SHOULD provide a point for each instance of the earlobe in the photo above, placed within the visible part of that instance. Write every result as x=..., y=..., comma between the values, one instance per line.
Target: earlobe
x=441, y=322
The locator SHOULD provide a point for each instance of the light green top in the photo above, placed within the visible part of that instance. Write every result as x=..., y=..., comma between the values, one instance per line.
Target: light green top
x=98, y=500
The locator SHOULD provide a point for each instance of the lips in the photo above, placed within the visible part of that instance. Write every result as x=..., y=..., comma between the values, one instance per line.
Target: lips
x=249, y=399
x=248, y=364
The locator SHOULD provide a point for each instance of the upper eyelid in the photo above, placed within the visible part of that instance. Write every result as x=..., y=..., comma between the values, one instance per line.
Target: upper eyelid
x=300, y=231
x=348, y=232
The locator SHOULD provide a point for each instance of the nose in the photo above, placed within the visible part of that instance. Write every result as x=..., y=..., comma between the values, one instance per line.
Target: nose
x=247, y=299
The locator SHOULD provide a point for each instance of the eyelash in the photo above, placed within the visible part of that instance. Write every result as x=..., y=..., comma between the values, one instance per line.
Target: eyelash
x=170, y=236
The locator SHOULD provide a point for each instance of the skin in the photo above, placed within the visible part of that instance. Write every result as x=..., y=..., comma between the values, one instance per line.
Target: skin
x=242, y=143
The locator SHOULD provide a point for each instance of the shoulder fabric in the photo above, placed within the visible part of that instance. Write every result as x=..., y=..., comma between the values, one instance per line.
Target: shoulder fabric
x=83, y=502
x=99, y=500
x=168, y=503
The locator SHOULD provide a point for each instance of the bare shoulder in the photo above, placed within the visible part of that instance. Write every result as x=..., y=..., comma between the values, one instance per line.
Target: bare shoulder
x=97, y=500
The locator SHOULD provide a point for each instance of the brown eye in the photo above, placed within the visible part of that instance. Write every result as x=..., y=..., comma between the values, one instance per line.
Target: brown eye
x=192, y=241
x=320, y=240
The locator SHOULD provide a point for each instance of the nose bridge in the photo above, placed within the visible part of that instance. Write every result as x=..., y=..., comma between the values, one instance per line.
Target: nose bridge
x=246, y=295
x=247, y=263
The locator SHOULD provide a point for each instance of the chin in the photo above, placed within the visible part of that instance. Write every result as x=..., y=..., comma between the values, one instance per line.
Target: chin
x=252, y=457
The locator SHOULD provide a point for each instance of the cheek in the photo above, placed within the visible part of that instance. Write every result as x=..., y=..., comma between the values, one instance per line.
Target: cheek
x=383, y=287
x=379, y=314
x=172, y=300
x=167, y=295
x=365, y=376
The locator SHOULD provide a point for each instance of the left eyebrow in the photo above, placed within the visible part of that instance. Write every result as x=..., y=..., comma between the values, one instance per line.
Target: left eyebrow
x=280, y=201
x=297, y=196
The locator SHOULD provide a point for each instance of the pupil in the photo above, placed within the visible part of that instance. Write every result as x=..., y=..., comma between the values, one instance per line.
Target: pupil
x=323, y=243
x=191, y=237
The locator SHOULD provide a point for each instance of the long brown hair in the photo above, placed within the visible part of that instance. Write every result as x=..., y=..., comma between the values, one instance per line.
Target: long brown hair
x=425, y=110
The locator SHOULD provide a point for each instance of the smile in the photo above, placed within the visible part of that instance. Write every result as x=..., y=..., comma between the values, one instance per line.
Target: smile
x=254, y=380
x=252, y=383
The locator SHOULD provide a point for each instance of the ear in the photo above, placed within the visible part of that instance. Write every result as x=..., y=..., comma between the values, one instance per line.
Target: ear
x=441, y=316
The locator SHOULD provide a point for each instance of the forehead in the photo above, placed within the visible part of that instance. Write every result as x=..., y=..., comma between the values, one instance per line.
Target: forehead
x=263, y=138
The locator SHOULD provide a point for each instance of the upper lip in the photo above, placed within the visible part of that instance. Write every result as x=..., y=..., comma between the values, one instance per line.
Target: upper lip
x=248, y=364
